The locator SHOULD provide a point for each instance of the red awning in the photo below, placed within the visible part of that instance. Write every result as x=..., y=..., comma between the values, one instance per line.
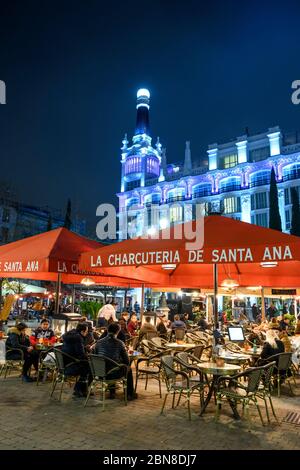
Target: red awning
x=45, y=255
x=253, y=255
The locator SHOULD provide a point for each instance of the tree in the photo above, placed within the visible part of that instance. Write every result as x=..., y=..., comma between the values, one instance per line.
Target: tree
x=49, y=224
x=68, y=221
x=274, y=215
x=295, y=228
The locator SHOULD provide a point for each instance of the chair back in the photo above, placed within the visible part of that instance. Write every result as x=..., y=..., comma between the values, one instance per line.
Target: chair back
x=284, y=361
x=179, y=334
x=167, y=363
x=151, y=334
x=206, y=352
x=183, y=357
x=158, y=341
x=197, y=351
x=254, y=376
x=145, y=347
x=267, y=373
x=97, y=365
x=59, y=357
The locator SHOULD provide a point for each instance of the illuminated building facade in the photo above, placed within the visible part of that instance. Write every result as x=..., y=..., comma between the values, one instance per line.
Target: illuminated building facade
x=234, y=180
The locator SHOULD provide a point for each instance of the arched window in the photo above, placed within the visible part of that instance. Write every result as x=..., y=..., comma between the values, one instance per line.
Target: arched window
x=177, y=194
x=153, y=198
x=201, y=190
x=291, y=172
x=134, y=201
x=260, y=178
x=133, y=165
x=233, y=183
x=152, y=166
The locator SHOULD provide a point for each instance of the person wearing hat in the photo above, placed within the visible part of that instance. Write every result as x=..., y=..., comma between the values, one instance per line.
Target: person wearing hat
x=18, y=341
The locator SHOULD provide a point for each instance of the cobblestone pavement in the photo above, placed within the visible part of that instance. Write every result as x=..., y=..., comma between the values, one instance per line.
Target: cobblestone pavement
x=30, y=419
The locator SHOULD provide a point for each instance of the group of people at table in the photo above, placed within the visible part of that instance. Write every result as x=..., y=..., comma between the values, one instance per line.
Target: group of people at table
x=111, y=341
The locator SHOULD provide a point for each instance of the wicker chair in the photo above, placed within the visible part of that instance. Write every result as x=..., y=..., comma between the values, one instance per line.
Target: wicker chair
x=234, y=390
x=149, y=367
x=62, y=374
x=102, y=369
x=283, y=369
x=187, y=386
x=11, y=364
x=265, y=389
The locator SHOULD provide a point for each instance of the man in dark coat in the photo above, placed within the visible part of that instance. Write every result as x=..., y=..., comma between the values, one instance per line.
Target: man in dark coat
x=114, y=349
x=73, y=345
x=17, y=339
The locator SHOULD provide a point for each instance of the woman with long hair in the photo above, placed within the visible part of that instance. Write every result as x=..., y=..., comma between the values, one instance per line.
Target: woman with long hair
x=273, y=345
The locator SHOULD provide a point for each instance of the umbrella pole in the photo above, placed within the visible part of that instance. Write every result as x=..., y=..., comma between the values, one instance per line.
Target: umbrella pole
x=263, y=309
x=58, y=288
x=142, y=302
x=73, y=299
x=215, y=276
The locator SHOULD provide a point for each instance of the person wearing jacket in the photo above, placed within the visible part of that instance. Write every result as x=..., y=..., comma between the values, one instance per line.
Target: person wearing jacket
x=114, y=349
x=73, y=345
x=272, y=345
x=17, y=339
x=146, y=328
x=43, y=331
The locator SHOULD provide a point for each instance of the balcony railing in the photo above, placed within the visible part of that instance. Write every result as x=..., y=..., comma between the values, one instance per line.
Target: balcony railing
x=175, y=199
x=203, y=193
x=231, y=187
x=293, y=175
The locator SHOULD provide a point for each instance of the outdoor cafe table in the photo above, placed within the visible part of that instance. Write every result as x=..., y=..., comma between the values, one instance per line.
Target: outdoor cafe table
x=133, y=356
x=180, y=346
x=216, y=371
x=235, y=358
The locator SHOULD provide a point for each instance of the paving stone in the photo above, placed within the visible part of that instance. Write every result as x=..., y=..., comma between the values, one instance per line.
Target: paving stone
x=68, y=425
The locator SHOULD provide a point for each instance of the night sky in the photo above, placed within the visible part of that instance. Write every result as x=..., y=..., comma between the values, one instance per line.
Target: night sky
x=72, y=69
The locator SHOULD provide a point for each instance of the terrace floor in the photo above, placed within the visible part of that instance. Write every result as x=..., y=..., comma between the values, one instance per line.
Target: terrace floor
x=30, y=419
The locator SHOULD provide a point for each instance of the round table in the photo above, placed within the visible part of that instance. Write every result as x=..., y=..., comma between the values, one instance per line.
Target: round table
x=180, y=346
x=235, y=358
x=216, y=372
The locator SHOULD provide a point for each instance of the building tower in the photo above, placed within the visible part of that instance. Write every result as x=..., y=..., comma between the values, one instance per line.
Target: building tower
x=140, y=162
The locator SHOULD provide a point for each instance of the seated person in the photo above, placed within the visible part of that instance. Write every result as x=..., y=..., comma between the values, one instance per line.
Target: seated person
x=255, y=335
x=92, y=336
x=185, y=319
x=273, y=324
x=17, y=339
x=146, y=328
x=43, y=332
x=132, y=325
x=114, y=349
x=161, y=327
x=283, y=323
x=125, y=316
x=283, y=336
x=272, y=345
x=123, y=334
x=73, y=344
x=202, y=323
x=177, y=323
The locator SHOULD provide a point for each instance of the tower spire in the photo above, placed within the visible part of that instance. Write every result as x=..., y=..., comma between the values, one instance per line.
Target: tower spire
x=142, y=113
x=187, y=158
